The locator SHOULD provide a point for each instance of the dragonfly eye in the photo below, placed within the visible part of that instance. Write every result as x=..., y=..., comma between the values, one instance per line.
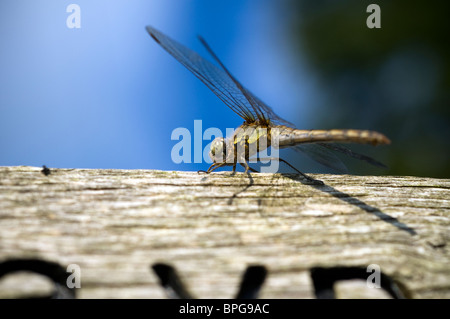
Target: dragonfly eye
x=217, y=150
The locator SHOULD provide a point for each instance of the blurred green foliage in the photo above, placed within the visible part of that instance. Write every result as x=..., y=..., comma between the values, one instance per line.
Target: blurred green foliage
x=394, y=80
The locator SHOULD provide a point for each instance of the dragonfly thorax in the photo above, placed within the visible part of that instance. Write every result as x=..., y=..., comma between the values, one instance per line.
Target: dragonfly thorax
x=246, y=141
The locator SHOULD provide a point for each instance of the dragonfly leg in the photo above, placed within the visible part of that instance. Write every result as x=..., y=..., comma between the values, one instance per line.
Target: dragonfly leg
x=217, y=165
x=247, y=168
x=284, y=161
x=206, y=172
x=212, y=168
x=253, y=170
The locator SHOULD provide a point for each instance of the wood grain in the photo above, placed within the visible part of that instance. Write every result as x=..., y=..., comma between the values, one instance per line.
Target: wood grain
x=115, y=224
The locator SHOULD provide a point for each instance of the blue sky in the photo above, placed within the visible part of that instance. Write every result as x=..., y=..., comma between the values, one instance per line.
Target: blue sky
x=107, y=96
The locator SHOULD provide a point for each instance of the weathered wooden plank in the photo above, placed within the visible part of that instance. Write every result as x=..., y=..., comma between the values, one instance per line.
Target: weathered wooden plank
x=115, y=224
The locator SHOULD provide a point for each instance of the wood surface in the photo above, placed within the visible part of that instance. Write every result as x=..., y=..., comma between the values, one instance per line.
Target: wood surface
x=116, y=224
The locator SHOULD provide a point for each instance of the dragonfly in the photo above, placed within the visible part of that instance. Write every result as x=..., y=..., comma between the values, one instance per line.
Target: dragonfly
x=262, y=127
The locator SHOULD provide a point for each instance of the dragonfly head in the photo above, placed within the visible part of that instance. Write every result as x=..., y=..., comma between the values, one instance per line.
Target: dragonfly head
x=218, y=150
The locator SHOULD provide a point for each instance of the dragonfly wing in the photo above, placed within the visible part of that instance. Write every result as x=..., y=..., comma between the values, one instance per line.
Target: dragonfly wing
x=322, y=155
x=258, y=108
x=270, y=114
x=353, y=154
x=214, y=78
x=219, y=80
x=325, y=154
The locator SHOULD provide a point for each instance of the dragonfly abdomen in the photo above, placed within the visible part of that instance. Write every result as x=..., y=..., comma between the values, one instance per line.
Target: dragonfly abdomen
x=290, y=137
